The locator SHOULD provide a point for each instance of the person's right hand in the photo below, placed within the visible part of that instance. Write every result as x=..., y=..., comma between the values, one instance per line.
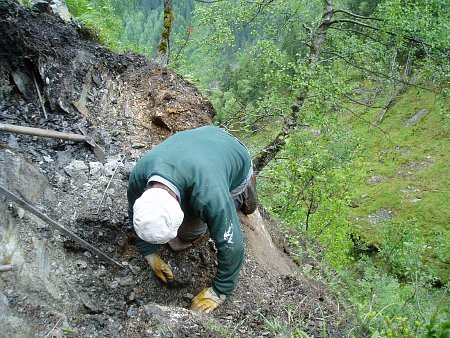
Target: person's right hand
x=160, y=268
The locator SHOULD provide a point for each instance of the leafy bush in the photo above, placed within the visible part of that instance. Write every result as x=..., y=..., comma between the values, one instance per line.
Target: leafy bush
x=309, y=184
x=392, y=292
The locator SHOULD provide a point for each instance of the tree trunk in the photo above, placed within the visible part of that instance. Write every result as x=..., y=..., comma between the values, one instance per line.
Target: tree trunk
x=163, y=52
x=295, y=118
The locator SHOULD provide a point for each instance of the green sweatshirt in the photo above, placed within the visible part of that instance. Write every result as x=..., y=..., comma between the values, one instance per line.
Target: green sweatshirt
x=205, y=164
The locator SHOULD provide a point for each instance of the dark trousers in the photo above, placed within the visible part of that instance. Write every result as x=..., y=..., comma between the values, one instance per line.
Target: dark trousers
x=193, y=227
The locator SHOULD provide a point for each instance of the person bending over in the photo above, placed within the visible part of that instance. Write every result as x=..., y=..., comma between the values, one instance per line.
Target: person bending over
x=190, y=184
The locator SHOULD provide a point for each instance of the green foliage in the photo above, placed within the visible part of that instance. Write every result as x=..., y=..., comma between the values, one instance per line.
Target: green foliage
x=24, y=2
x=387, y=307
x=99, y=18
x=309, y=186
x=420, y=31
x=286, y=328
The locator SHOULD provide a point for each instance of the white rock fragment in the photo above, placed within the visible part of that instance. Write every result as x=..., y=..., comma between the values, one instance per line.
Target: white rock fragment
x=47, y=159
x=112, y=164
x=76, y=168
x=96, y=169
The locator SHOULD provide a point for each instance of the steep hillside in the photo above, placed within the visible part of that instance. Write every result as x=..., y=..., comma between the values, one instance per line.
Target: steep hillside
x=54, y=77
x=403, y=180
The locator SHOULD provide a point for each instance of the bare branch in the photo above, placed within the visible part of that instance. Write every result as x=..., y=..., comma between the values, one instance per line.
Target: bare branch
x=354, y=31
x=260, y=8
x=185, y=42
x=208, y=1
x=368, y=122
x=362, y=103
x=382, y=75
x=408, y=38
x=357, y=15
x=358, y=23
x=309, y=29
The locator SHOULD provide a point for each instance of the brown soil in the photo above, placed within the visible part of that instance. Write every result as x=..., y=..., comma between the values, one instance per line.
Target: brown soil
x=127, y=104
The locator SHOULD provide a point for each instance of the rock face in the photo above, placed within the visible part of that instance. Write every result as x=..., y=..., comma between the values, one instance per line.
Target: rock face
x=53, y=76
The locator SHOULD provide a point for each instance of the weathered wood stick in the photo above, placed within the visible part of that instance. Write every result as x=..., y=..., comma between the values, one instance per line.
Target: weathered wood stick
x=5, y=268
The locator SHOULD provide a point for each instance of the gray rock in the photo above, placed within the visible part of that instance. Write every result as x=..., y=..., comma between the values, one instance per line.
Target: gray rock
x=128, y=112
x=132, y=311
x=154, y=310
x=380, y=216
x=23, y=82
x=96, y=169
x=375, y=179
x=89, y=305
x=188, y=296
x=76, y=169
x=112, y=164
x=16, y=174
x=127, y=168
x=128, y=280
x=416, y=118
x=41, y=6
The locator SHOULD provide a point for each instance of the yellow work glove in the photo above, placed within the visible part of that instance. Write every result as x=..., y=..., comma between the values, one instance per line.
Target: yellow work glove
x=207, y=300
x=160, y=268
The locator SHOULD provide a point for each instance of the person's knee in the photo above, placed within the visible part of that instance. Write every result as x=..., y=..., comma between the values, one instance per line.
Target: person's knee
x=191, y=231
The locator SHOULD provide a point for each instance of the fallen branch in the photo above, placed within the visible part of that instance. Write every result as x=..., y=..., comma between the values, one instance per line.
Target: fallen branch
x=6, y=268
x=112, y=176
x=40, y=97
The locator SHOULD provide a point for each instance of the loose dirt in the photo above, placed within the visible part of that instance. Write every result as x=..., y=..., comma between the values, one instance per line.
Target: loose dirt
x=53, y=75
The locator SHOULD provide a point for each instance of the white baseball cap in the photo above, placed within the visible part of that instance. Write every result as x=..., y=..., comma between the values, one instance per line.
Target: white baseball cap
x=157, y=216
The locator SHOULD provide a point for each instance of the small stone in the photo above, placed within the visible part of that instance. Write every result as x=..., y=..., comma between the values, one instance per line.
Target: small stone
x=76, y=168
x=47, y=159
x=20, y=213
x=80, y=263
x=128, y=280
x=127, y=168
x=189, y=296
x=154, y=311
x=128, y=112
x=137, y=145
x=96, y=169
x=111, y=165
x=132, y=311
x=132, y=296
x=376, y=179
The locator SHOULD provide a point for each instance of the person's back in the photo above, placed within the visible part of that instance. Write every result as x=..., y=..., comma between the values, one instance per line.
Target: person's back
x=195, y=159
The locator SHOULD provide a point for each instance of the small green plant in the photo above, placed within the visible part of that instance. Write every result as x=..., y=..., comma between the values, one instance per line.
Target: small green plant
x=67, y=331
x=288, y=327
x=217, y=329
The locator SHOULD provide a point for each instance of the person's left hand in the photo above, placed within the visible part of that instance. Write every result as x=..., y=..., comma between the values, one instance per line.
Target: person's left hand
x=207, y=301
